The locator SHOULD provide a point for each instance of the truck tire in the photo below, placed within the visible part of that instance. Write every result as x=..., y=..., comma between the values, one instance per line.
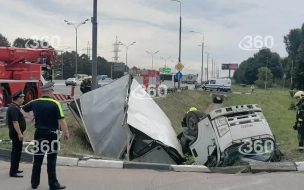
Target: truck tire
x=192, y=120
x=30, y=94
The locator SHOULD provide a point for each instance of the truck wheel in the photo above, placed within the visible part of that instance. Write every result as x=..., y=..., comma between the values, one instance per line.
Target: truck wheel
x=193, y=118
x=30, y=94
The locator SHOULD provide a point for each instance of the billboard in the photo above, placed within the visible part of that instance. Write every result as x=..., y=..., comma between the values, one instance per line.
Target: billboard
x=230, y=66
x=119, y=67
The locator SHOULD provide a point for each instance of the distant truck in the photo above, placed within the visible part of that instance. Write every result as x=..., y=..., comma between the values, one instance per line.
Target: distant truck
x=218, y=85
x=189, y=79
x=169, y=80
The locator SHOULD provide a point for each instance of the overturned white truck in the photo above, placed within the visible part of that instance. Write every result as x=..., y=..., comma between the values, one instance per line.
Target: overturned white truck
x=122, y=121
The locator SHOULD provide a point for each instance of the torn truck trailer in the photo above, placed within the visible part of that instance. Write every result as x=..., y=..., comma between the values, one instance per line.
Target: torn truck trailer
x=122, y=121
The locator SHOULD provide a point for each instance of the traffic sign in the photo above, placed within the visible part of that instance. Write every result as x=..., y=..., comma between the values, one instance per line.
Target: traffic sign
x=166, y=70
x=178, y=75
x=179, y=66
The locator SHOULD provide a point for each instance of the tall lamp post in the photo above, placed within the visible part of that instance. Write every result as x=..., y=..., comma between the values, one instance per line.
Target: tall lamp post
x=202, y=70
x=127, y=47
x=76, y=26
x=266, y=73
x=180, y=34
x=165, y=60
x=152, y=54
x=207, y=64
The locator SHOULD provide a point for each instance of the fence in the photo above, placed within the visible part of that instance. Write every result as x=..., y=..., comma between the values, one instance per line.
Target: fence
x=4, y=109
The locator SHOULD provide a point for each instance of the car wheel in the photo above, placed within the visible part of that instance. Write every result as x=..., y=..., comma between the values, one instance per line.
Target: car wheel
x=66, y=84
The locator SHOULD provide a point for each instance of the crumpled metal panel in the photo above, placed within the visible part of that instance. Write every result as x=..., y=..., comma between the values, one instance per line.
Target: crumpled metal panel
x=103, y=116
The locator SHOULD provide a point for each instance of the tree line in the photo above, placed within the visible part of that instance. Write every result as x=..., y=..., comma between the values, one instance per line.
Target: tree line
x=288, y=71
x=65, y=64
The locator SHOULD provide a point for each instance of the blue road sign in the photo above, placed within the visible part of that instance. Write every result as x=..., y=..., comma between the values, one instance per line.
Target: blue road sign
x=178, y=75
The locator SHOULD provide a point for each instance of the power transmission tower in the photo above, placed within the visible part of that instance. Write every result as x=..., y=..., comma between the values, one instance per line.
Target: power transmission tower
x=89, y=50
x=116, y=50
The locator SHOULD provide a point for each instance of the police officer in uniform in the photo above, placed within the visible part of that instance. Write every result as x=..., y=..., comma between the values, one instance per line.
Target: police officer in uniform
x=48, y=114
x=16, y=125
x=299, y=125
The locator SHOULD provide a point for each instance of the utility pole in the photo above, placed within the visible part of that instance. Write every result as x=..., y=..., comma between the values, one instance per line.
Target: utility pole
x=165, y=60
x=266, y=73
x=127, y=48
x=180, y=34
x=207, y=64
x=76, y=26
x=202, y=69
x=212, y=69
x=291, y=73
x=152, y=56
x=94, y=48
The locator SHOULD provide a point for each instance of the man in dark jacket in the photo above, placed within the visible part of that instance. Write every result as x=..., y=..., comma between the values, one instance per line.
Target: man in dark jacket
x=299, y=125
x=16, y=125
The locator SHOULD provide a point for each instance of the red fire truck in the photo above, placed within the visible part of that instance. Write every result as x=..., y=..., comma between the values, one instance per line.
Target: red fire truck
x=25, y=68
x=147, y=77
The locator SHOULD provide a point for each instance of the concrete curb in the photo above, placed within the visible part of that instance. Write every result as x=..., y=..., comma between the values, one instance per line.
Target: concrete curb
x=254, y=167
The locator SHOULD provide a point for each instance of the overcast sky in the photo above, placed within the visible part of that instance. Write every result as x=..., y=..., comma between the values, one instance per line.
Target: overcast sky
x=154, y=25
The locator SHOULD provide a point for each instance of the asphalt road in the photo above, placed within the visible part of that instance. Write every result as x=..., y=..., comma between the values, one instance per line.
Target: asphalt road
x=77, y=178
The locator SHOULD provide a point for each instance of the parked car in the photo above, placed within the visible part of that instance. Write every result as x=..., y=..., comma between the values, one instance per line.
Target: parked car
x=72, y=81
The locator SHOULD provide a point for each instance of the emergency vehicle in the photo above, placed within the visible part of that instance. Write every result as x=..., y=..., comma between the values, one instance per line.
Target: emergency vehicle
x=27, y=69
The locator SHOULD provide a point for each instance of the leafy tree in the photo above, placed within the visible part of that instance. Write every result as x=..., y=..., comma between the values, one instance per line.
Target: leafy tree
x=260, y=82
x=3, y=41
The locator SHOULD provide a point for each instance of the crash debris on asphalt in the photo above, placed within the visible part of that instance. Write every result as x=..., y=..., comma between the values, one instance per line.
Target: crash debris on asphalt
x=122, y=121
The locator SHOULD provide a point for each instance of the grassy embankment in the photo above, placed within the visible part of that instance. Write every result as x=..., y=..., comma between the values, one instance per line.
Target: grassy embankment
x=275, y=104
x=173, y=105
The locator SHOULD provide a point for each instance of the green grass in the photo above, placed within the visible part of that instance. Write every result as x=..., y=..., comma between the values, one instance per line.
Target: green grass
x=274, y=104
x=176, y=105
x=76, y=143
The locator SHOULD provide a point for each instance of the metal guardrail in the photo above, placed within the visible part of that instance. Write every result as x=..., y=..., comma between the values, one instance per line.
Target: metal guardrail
x=4, y=109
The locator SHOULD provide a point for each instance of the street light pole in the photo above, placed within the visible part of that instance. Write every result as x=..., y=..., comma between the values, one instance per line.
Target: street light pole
x=165, y=60
x=76, y=26
x=207, y=64
x=94, y=46
x=180, y=34
x=266, y=73
x=152, y=56
x=127, y=47
x=203, y=43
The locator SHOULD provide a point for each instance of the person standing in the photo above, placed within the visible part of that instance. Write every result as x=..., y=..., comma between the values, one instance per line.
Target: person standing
x=16, y=125
x=48, y=116
x=299, y=125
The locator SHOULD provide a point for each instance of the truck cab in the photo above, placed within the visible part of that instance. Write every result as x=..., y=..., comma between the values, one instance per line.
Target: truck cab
x=227, y=134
